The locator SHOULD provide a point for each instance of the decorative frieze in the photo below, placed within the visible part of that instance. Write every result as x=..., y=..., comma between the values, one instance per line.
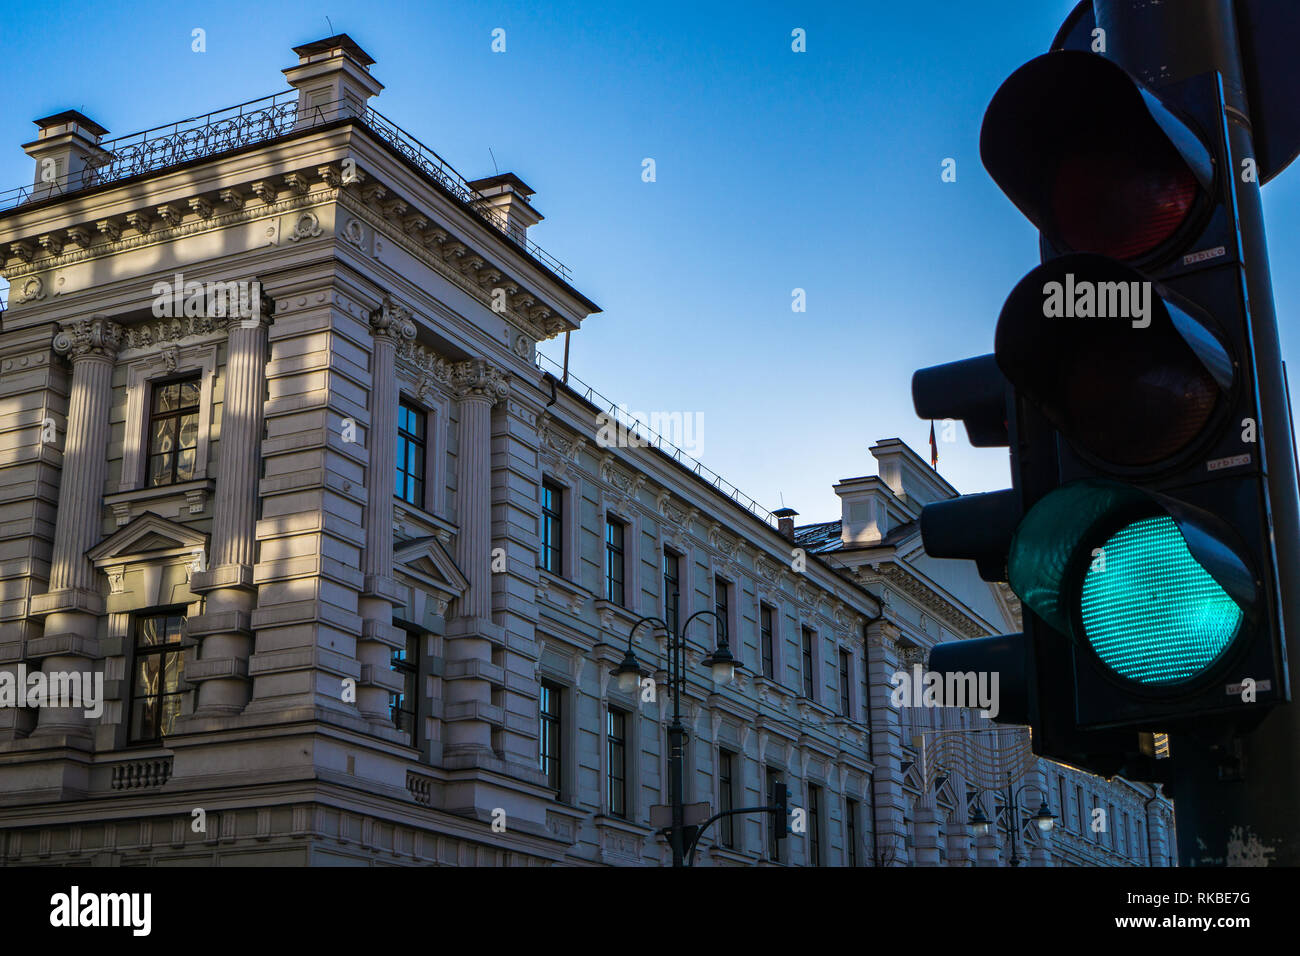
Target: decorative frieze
x=910, y=585
x=560, y=450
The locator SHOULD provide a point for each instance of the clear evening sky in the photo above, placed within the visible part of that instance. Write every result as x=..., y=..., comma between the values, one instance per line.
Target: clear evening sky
x=775, y=171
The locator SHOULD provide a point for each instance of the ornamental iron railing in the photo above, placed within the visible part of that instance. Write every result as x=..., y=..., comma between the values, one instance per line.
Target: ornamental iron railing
x=261, y=121
x=649, y=436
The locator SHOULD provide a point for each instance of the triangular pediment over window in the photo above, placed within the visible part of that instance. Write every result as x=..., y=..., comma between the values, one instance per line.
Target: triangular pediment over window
x=148, y=536
x=425, y=561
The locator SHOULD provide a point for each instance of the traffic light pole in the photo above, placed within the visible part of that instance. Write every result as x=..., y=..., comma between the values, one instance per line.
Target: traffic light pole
x=1236, y=800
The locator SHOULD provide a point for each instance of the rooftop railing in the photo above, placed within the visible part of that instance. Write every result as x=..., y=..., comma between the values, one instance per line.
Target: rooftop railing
x=651, y=437
x=260, y=121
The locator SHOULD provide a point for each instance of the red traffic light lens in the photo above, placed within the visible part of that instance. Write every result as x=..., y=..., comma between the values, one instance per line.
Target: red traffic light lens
x=1135, y=406
x=1120, y=204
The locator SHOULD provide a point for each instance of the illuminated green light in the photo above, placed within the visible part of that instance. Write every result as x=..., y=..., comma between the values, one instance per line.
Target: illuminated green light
x=1150, y=611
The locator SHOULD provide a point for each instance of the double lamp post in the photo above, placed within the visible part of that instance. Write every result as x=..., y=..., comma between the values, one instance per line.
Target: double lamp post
x=723, y=667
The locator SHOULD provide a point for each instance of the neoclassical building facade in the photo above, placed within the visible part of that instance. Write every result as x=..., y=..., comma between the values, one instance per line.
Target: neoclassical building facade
x=280, y=467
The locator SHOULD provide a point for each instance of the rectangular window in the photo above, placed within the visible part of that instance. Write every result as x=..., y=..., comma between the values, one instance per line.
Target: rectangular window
x=1061, y=792
x=814, y=825
x=765, y=640
x=722, y=608
x=809, y=681
x=851, y=830
x=412, y=423
x=846, y=668
x=156, y=676
x=1078, y=806
x=672, y=589
x=616, y=738
x=550, y=716
x=614, y=591
x=173, y=431
x=404, y=706
x=726, y=797
x=552, y=527
x=773, y=845
x=1123, y=845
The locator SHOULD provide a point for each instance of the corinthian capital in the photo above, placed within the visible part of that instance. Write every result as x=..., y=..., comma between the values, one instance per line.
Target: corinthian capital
x=392, y=321
x=96, y=336
x=477, y=379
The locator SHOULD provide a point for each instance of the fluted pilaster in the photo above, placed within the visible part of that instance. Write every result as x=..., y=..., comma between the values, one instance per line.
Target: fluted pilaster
x=234, y=518
x=469, y=711
x=219, y=664
x=390, y=324
x=72, y=605
x=92, y=347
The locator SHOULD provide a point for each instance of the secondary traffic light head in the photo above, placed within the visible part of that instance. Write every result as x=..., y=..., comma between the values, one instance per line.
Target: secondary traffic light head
x=1093, y=159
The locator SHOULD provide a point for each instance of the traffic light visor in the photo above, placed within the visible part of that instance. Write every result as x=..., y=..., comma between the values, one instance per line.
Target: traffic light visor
x=1092, y=158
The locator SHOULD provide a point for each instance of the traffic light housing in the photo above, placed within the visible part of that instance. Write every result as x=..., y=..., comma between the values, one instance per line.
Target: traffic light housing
x=1154, y=555
x=1138, y=531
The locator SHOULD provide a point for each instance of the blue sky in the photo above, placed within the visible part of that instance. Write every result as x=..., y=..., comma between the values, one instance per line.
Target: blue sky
x=775, y=170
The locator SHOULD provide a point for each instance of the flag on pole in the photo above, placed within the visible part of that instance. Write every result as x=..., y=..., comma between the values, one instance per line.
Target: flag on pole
x=934, y=449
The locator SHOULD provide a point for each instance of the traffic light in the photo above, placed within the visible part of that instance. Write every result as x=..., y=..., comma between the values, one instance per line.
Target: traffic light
x=1138, y=531
x=1153, y=554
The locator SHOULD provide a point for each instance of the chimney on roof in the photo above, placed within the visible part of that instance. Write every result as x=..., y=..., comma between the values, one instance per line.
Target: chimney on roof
x=332, y=79
x=66, y=151
x=907, y=474
x=505, y=196
x=864, y=511
x=785, y=522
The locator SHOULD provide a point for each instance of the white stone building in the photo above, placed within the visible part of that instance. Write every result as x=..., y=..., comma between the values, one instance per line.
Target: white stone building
x=279, y=463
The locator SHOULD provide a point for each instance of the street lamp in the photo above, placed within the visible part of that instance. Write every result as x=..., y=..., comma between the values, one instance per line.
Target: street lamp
x=722, y=667
x=1044, y=817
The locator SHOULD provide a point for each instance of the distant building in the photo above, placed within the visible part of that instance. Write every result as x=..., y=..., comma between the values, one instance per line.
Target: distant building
x=278, y=466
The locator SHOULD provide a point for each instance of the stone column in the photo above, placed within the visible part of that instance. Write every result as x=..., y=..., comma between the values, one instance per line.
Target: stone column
x=73, y=604
x=219, y=665
x=986, y=849
x=389, y=323
x=1041, y=854
x=959, y=831
x=469, y=714
x=1158, y=835
x=888, y=800
x=926, y=823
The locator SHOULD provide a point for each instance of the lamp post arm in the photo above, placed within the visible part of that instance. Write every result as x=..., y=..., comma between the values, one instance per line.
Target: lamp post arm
x=699, y=831
x=650, y=617
x=694, y=616
x=1026, y=786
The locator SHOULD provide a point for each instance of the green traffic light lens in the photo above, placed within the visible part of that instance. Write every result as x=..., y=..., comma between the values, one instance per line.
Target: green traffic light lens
x=1151, y=613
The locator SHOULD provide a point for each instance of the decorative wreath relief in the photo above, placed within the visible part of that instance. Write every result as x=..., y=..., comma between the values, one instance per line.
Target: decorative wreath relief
x=307, y=227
